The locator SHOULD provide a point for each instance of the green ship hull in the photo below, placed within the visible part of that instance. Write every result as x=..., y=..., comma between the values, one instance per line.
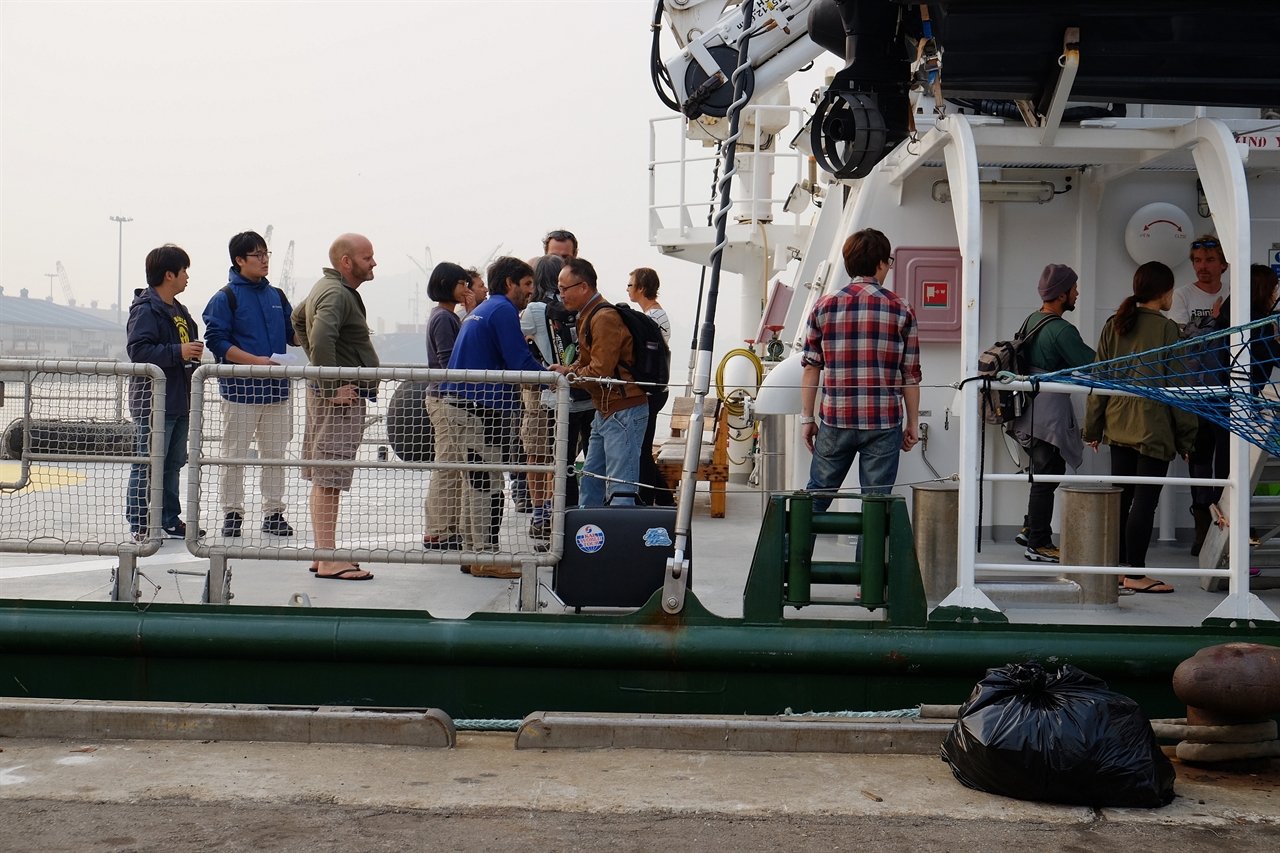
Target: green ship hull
x=506, y=665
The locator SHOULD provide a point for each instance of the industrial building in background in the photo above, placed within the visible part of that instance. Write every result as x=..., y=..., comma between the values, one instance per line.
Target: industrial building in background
x=40, y=328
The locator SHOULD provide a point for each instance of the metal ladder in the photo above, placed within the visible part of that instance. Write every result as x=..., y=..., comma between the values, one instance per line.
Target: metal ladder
x=1264, y=528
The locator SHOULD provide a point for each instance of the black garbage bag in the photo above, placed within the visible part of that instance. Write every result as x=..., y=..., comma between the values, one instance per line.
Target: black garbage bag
x=1057, y=737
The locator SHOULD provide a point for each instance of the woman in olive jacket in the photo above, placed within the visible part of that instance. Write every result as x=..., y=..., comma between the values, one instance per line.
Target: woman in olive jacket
x=1144, y=435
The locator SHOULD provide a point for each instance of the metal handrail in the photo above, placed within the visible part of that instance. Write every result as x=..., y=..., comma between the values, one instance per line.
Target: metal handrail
x=217, y=548
x=684, y=205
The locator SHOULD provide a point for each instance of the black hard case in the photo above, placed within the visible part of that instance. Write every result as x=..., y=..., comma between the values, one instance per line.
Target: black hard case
x=625, y=571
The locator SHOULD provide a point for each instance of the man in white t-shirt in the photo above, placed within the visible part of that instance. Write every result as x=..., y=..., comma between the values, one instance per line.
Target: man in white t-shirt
x=1203, y=298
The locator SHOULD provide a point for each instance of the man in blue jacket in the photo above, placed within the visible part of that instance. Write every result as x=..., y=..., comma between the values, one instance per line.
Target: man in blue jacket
x=246, y=322
x=161, y=332
x=490, y=339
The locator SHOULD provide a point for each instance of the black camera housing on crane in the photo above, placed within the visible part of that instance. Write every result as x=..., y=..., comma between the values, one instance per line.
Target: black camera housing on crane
x=865, y=111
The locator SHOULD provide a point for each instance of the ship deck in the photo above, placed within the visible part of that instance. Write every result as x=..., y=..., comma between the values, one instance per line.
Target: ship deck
x=722, y=558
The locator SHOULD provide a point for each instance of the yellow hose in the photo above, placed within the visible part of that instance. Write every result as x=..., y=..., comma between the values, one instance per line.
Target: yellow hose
x=734, y=406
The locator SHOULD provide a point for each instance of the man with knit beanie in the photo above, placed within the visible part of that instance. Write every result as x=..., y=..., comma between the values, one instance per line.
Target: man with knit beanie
x=1047, y=428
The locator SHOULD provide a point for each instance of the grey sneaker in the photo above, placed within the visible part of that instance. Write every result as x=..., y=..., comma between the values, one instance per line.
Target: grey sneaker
x=1045, y=554
x=1021, y=538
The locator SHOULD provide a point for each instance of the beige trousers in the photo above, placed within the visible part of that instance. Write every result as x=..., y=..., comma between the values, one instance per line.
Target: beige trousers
x=444, y=492
x=271, y=426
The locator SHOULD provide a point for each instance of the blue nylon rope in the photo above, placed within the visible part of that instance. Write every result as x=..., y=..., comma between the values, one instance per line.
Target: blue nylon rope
x=1203, y=375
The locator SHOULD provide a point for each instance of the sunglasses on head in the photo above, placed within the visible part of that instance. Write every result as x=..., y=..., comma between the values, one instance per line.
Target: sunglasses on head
x=561, y=235
x=1205, y=244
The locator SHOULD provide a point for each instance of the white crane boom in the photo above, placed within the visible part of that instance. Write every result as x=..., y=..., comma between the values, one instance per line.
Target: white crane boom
x=485, y=264
x=286, y=271
x=67, y=293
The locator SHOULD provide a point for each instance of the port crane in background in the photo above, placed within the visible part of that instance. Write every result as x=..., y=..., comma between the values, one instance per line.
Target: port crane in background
x=267, y=236
x=415, y=301
x=65, y=280
x=286, y=269
x=484, y=265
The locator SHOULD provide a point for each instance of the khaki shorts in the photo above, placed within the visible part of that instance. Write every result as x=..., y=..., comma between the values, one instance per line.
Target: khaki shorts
x=333, y=431
x=535, y=423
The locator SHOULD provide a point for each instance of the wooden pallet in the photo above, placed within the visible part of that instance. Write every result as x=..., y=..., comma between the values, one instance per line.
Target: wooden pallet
x=713, y=458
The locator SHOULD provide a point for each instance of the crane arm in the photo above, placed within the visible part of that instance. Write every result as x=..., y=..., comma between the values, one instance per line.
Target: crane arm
x=67, y=293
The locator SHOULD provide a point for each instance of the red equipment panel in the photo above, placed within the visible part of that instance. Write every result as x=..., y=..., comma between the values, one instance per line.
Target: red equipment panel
x=928, y=277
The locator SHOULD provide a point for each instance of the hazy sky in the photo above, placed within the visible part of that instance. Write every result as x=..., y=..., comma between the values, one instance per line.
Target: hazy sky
x=449, y=124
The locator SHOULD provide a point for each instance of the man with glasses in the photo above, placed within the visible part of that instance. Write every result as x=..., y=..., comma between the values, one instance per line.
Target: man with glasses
x=622, y=410
x=862, y=344
x=246, y=322
x=1193, y=305
x=560, y=243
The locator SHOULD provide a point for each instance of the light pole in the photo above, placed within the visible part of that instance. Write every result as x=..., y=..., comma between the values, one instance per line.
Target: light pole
x=51, y=276
x=120, y=267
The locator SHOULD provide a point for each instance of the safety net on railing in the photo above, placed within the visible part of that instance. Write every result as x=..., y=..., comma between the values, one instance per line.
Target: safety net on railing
x=1224, y=376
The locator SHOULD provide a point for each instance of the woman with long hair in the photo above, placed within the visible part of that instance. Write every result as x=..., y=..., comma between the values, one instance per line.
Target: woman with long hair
x=1143, y=435
x=642, y=289
x=449, y=286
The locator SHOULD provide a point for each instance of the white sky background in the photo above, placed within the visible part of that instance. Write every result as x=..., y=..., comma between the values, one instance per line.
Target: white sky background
x=453, y=125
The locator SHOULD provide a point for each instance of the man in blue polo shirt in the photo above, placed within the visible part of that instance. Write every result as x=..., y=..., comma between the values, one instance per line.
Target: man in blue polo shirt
x=490, y=339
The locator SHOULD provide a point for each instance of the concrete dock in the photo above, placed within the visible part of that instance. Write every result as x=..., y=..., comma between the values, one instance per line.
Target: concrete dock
x=484, y=794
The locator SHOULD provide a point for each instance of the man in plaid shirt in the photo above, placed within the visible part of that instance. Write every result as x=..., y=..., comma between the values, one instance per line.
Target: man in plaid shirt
x=864, y=338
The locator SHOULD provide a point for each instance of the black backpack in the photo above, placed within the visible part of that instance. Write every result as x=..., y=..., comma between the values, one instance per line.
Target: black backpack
x=1002, y=406
x=232, y=302
x=651, y=355
x=409, y=428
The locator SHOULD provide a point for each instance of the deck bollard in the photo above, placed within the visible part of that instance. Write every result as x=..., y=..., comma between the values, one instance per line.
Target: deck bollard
x=935, y=521
x=1091, y=537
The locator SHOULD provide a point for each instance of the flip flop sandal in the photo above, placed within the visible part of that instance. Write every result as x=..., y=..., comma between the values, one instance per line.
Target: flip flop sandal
x=343, y=575
x=1151, y=588
x=315, y=567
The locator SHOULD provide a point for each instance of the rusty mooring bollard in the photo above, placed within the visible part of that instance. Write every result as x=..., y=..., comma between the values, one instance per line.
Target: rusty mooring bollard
x=1231, y=692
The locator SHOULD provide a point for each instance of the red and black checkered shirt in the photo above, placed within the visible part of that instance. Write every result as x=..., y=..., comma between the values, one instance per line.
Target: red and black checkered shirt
x=864, y=339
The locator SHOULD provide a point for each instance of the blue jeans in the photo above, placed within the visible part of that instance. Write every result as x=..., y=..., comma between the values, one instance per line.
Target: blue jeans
x=175, y=456
x=614, y=450
x=833, y=451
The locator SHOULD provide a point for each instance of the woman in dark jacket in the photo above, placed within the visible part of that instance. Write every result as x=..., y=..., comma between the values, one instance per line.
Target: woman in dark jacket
x=1144, y=435
x=448, y=287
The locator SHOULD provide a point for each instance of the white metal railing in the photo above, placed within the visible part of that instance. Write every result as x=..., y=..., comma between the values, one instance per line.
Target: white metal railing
x=81, y=460
x=383, y=515
x=1024, y=568
x=746, y=194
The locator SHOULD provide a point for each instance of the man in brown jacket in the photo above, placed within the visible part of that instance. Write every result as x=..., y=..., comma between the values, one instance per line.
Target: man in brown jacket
x=622, y=408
